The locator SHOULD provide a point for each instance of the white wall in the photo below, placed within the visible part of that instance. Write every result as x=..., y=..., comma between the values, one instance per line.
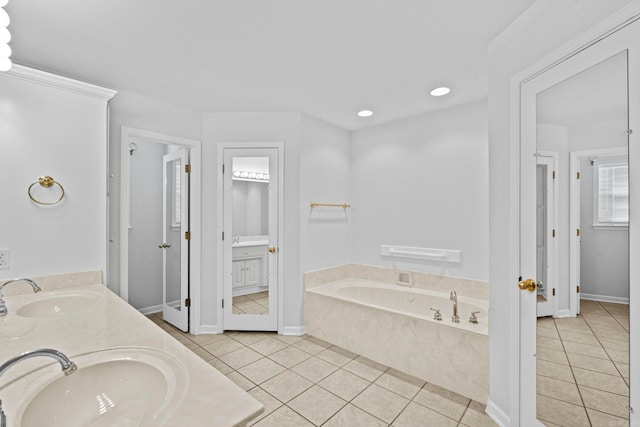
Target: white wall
x=325, y=232
x=544, y=27
x=604, y=254
x=48, y=130
x=136, y=111
x=423, y=182
x=251, y=127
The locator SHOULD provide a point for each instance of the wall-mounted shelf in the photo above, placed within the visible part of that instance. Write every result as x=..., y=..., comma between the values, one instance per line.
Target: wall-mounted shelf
x=443, y=255
x=331, y=205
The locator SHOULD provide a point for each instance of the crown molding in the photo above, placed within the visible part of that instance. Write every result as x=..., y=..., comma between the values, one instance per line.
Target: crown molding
x=59, y=82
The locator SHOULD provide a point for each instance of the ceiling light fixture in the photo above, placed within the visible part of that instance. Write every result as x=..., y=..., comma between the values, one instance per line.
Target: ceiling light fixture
x=440, y=91
x=365, y=113
x=5, y=38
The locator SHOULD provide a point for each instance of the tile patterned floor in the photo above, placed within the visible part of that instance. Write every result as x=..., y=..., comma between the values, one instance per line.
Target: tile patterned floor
x=257, y=303
x=583, y=367
x=303, y=381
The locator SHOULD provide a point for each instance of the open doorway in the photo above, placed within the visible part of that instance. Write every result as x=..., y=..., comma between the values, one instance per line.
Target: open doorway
x=160, y=226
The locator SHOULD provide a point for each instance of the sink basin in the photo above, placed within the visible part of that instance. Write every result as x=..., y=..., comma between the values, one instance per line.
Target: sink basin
x=116, y=387
x=57, y=304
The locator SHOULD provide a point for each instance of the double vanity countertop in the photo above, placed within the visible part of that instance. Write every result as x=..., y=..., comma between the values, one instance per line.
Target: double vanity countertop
x=92, y=319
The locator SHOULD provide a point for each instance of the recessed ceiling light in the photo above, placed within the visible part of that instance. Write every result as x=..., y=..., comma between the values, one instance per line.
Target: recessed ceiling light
x=365, y=113
x=440, y=91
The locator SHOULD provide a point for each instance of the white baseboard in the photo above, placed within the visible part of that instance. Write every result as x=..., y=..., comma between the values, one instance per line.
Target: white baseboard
x=209, y=329
x=604, y=298
x=563, y=313
x=497, y=414
x=151, y=310
x=249, y=290
x=293, y=330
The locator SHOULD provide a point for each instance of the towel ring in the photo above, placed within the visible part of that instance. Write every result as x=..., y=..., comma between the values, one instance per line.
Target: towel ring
x=46, y=181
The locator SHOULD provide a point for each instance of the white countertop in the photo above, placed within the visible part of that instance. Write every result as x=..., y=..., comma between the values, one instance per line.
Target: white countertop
x=210, y=399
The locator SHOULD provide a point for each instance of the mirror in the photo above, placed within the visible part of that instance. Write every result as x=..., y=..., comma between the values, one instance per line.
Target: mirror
x=250, y=229
x=172, y=227
x=583, y=245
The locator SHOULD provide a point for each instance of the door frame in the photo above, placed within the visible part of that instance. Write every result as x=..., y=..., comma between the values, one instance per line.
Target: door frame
x=131, y=135
x=279, y=146
x=522, y=334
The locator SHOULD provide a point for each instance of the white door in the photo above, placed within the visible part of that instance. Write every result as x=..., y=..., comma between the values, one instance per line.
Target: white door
x=250, y=245
x=545, y=234
x=623, y=42
x=175, y=239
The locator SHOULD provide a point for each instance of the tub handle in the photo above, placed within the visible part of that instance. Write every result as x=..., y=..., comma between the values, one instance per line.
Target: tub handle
x=436, y=315
x=473, y=318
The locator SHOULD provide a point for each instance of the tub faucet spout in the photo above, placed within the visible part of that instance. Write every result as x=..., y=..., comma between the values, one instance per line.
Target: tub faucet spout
x=3, y=307
x=454, y=297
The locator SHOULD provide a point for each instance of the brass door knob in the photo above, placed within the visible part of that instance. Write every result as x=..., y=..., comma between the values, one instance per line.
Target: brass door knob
x=272, y=249
x=527, y=285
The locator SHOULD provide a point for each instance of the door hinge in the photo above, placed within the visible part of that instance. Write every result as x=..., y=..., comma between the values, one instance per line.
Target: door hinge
x=187, y=168
x=578, y=232
x=187, y=302
x=553, y=233
x=223, y=235
x=222, y=302
x=554, y=174
x=187, y=235
x=578, y=289
x=578, y=175
x=223, y=169
x=553, y=292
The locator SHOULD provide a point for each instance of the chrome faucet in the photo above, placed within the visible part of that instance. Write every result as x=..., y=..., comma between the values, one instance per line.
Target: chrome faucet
x=68, y=367
x=3, y=306
x=454, y=297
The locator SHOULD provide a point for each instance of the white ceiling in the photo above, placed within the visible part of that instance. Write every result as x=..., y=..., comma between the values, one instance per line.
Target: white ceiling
x=325, y=58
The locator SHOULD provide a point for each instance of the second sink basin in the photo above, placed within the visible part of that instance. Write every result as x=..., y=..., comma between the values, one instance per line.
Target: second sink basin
x=57, y=304
x=116, y=387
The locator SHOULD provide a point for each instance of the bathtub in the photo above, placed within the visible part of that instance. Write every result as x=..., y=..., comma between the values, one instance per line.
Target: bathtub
x=394, y=325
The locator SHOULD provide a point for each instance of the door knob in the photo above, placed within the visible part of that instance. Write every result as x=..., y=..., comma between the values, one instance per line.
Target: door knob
x=527, y=285
x=272, y=249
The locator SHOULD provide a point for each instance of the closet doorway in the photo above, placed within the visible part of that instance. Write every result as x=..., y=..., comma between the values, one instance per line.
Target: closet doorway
x=251, y=236
x=160, y=226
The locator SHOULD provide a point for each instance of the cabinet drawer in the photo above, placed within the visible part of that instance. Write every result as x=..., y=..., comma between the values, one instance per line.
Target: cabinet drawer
x=249, y=252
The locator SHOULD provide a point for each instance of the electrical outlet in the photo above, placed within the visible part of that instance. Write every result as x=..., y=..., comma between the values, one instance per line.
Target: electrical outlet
x=5, y=263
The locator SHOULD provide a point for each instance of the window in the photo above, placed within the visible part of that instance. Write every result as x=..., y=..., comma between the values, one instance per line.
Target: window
x=611, y=191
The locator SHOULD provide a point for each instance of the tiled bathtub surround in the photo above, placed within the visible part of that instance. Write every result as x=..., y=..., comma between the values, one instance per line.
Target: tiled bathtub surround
x=437, y=352
x=54, y=282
